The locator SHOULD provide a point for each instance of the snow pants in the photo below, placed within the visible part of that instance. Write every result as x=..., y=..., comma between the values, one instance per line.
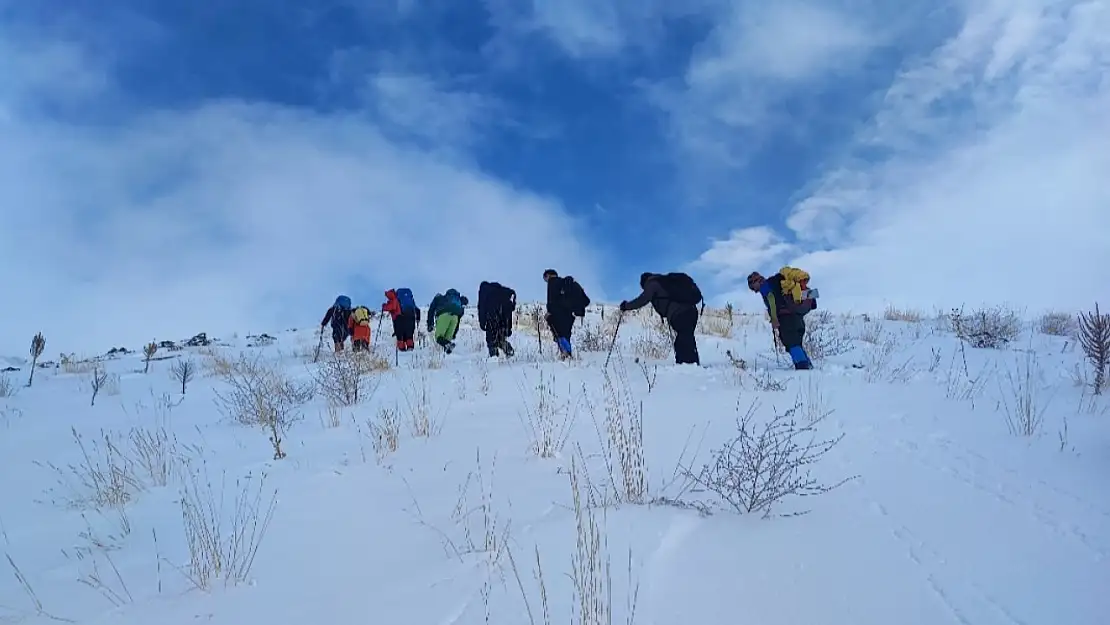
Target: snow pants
x=684, y=321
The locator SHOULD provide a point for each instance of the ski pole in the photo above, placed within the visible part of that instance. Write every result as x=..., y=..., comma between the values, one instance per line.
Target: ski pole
x=319, y=344
x=613, y=343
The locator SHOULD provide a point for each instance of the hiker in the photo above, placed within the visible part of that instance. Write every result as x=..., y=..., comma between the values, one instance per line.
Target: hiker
x=338, y=315
x=496, y=304
x=787, y=311
x=675, y=296
x=444, y=314
x=566, y=299
x=359, y=325
x=402, y=308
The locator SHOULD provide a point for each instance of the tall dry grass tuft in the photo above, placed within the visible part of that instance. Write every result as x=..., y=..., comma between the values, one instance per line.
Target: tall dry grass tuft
x=385, y=433
x=547, y=421
x=1022, y=403
x=622, y=438
x=423, y=418
x=223, y=545
x=893, y=313
x=104, y=477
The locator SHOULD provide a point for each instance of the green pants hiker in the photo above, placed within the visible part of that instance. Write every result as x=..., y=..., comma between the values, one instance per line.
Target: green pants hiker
x=446, y=324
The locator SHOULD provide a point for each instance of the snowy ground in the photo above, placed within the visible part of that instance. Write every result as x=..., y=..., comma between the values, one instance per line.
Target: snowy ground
x=947, y=516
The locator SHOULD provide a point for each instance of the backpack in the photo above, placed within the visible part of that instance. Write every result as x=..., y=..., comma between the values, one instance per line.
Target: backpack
x=795, y=282
x=361, y=315
x=680, y=288
x=406, y=300
x=575, y=295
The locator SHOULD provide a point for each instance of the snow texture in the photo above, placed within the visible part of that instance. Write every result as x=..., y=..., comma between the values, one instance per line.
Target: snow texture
x=945, y=512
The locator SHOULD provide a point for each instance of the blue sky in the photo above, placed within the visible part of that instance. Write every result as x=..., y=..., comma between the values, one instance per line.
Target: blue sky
x=248, y=160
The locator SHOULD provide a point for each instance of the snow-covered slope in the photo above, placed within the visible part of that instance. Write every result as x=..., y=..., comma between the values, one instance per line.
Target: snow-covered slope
x=517, y=492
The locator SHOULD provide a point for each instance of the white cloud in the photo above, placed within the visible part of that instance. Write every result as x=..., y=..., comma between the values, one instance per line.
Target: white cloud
x=421, y=106
x=993, y=183
x=244, y=217
x=727, y=103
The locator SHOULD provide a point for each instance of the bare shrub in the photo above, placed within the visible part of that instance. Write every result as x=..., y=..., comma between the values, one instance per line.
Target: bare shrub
x=423, y=420
x=97, y=380
x=1025, y=407
x=893, y=313
x=622, y=441
x=547, y=421
x=986, y=328
x=590, y=337
x=344, y=381
x=223, y=546
x=1094, y=337
x=38, y=346
x=183, y=372
x=7, y=387
x=263, y=395
x=765, y=381
x=824, y=338
x=1058, y=324
x=765, y=465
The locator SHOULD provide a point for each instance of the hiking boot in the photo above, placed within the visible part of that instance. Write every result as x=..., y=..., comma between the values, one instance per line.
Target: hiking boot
x=507, y=348
x=493, y=352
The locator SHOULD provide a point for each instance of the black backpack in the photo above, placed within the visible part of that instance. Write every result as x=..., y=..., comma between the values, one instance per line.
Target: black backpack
x=680, y=288
x=575, y=296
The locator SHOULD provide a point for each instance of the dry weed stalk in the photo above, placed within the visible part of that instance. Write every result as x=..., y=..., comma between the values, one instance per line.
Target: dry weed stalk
x=7, y=387
x=29, y=590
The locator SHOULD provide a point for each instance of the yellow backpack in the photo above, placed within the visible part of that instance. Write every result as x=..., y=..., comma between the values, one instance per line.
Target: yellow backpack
x=361, y=315
x=795, y=282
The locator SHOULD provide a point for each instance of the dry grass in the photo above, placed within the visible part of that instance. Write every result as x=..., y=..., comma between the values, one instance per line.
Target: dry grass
x=655, y=341
x=1023, y=402
x=104, y=477
x=71, y=364
x=547, y=420
x=420, y=413
x=385, y=433
x=824, y=338
x=223, y=542
x=893, y=313
x=622, y=439
x=8, y=388
x=216, y=363
x=717, y=322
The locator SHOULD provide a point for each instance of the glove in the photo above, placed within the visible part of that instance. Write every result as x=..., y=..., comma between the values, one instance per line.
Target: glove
x=624, y=306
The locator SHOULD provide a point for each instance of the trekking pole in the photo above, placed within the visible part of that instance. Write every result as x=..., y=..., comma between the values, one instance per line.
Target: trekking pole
x=374, y=344
x=319, y=345
x=613, y=343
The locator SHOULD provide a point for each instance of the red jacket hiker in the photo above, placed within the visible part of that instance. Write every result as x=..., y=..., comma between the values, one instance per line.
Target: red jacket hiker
x=404, y=325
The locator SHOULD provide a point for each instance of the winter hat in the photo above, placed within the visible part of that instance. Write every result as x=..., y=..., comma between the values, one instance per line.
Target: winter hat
x=550, y=273
x=644, y=278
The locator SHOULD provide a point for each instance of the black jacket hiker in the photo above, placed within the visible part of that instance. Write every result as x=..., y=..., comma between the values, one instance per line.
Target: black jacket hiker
x=496, y=304
x=566, y=299
x=676, y=300
x=338, y=315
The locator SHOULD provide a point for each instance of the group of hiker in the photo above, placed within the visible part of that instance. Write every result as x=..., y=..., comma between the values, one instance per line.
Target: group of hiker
x=674, y=296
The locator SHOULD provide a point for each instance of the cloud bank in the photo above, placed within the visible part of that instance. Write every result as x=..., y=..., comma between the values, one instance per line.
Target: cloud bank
x=982, y=175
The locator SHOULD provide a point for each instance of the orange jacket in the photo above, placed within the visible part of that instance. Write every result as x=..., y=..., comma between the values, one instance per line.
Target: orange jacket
x=392, y=305
x=358, y=332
